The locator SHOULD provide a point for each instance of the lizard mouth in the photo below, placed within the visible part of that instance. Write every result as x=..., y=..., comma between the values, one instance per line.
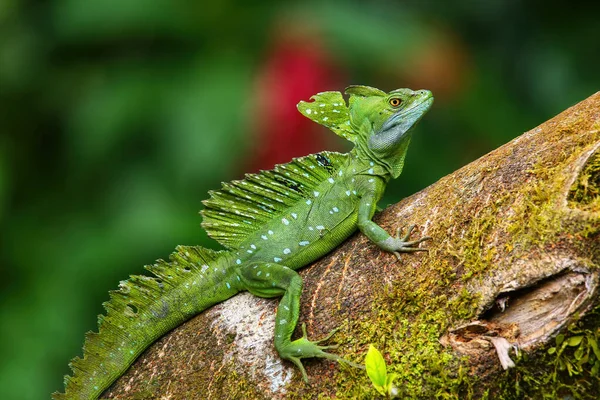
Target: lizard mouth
x=526, y=318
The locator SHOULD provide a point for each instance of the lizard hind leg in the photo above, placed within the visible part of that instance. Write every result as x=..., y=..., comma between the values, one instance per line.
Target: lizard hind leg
x=271, y=280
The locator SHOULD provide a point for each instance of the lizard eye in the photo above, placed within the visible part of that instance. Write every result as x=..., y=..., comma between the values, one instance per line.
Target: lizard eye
x=395, y=102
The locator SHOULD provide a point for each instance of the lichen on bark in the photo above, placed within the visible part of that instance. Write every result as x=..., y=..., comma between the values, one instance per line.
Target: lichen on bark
x=505, y=229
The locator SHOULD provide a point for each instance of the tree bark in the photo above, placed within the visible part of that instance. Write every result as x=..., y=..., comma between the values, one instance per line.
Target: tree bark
x=510, y=281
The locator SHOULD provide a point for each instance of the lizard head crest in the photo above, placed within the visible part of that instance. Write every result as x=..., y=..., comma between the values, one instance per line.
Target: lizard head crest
x=329, y=109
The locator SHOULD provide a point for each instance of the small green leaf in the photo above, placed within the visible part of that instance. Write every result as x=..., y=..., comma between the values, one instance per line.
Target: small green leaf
x=594, y=345
x=390, y=388
x=376, y=369
x=574, y=341
x=559, y=339
x=595, y=368
x=584, y=360
x=570, y=369
x=552, y=350
x=389, y=380
x=579, y=353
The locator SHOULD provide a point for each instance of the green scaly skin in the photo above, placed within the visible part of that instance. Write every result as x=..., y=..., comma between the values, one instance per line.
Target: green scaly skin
x=273, y=223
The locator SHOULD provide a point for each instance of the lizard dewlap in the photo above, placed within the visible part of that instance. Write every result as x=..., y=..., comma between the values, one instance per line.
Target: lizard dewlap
x=272, y=224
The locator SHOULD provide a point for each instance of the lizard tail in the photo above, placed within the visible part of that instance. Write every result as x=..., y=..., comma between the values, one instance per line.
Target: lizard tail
x=143, y=309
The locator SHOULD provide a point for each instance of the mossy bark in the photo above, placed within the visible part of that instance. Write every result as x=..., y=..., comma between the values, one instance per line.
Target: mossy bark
x=515, y=232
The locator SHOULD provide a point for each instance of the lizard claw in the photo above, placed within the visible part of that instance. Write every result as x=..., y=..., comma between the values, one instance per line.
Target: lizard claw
x=304, y=348
x=326, y=338
x=408, y=232
x=403, y=245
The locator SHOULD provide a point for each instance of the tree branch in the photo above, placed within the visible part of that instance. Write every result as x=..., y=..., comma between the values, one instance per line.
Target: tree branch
x=514, y=263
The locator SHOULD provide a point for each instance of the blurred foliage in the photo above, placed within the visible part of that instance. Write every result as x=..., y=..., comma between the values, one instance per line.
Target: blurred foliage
x=117, y=117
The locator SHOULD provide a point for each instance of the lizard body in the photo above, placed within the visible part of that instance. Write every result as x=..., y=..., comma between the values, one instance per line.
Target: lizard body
x=272, y=223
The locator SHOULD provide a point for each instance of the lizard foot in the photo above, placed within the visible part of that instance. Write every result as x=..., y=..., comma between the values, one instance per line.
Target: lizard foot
x=304, y=348
x=404, y=245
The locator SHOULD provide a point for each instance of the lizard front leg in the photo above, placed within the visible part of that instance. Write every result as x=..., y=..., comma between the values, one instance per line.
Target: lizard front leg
x=272, y=280
x=378, y=235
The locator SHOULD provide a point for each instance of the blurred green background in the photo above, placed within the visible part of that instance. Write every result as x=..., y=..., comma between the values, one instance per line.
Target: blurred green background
x=117, y=117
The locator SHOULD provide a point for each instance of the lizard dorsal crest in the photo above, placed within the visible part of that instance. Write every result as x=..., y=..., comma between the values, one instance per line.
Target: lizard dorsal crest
x=364, y=91
x=243, y=207
x=329, y=109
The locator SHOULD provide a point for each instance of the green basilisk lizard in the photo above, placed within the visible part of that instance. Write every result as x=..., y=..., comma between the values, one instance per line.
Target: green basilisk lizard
x=272, y=223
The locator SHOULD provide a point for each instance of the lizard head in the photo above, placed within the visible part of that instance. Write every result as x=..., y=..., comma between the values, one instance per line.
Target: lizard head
x=378, y=123
x=384, y=121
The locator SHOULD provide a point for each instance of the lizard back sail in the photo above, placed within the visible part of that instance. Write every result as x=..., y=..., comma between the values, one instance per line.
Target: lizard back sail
x=242, y=208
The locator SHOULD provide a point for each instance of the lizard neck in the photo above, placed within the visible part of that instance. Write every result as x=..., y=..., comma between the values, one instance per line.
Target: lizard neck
x=363, y=162
x=393, y=163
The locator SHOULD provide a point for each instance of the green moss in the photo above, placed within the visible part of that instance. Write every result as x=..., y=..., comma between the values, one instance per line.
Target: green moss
x=534, y=219
x=227, y=383
x=584, y=195
x=475, y=254
x=409, y=325
x=585, y=192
